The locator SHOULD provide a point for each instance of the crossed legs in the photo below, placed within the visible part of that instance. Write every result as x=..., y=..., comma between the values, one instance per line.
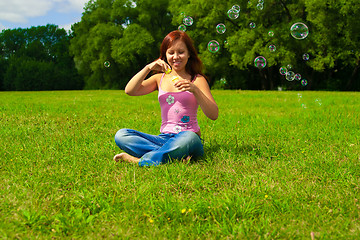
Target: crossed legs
x=146, y=150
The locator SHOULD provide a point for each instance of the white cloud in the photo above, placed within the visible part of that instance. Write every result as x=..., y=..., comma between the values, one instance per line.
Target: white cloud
x=70, y=5
x=67, y=27
x=19, y=11
x=78, y=4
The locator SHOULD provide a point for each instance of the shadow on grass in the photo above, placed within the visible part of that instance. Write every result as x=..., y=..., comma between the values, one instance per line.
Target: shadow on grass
x=215, y=150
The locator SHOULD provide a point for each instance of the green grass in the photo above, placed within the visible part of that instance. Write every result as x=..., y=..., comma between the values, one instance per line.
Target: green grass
x=278, y=165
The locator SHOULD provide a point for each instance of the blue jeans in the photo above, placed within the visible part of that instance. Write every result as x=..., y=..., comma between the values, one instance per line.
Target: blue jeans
x=159, y=149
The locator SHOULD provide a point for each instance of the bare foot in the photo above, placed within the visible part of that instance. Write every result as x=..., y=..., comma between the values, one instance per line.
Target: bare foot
x=186, y=160
x=126, y=157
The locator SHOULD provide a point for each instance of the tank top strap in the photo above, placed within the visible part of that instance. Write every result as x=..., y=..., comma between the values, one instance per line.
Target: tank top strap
x=195, y=77
x=161, y=79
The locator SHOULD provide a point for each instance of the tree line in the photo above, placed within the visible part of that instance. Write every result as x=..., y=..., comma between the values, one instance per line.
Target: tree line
x=127, y=34
x=37, y=58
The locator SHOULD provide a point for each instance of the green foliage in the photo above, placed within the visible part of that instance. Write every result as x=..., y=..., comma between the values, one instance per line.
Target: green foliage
x=333, y=41
x=125, y=33
x=128, y=33
x=32, y=75
x=3, y=67
x=37, y=58
x=133, y=52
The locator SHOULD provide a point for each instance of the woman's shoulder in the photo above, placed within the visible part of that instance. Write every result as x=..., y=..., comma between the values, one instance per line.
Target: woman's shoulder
x=156, y=77
x=199, y=77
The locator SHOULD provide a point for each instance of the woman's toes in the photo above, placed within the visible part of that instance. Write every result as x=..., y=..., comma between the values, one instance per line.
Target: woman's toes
x=187, y=159
x=117, y=157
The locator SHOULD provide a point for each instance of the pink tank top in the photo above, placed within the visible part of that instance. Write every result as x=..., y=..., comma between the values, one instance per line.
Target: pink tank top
x=178, y=111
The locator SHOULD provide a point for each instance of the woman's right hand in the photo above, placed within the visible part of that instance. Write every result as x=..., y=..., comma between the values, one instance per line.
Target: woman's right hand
x=159, y=65
x=139, y=86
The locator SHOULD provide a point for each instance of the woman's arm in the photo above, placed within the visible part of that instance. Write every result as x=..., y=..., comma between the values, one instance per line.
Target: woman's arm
x=137, y=86
x=201, y=90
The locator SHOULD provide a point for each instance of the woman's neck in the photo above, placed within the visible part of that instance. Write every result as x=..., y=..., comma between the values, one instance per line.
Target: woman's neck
x=183, y=74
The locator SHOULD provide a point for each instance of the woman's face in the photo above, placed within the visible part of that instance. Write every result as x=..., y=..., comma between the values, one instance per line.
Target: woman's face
x=177, y=55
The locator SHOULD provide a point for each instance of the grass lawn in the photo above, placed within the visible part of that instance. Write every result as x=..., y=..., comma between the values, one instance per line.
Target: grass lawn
x=278, y=165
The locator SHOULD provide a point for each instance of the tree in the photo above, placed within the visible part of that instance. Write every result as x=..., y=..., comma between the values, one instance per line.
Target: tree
x=125, y=33
x=128, y=34
x=37, y=58
x=91, y=47
x=336, y=40
x=329, y=33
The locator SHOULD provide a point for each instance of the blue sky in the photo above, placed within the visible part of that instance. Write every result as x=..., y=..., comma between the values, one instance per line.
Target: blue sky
x=28, y=13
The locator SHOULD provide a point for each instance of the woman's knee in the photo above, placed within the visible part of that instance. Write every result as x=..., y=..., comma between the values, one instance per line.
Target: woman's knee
x=189, y=137
x=191, y=142
x=121, y=136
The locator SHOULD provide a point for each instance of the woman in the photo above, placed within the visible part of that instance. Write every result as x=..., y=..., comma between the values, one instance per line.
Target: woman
x=181, y=91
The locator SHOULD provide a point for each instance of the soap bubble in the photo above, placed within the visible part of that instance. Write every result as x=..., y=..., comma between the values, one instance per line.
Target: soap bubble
x=290, y=76
x=306, y=56
x=318, y=101
x=272, y=48
x=188, y=21
x=297, y=76
x=299, y=96
x=283, y=70
x=260, y=62
x=252, y=25
x=289, y=66
x=236, y=8
x=304, y=82
x=182, y=28
x=213, y=46
x=260, y=6
x=299, y=30
x=226, y=43
x=221, y=28
x=233, y=14
x=107, y=64
x=271, y=33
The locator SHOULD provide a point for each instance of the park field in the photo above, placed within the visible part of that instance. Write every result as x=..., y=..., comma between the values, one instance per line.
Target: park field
x=278, y=165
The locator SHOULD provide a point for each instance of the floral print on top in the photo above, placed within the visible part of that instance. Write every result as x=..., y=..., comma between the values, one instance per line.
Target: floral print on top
x=170, y=99
x=185, y=119
x=177, y=129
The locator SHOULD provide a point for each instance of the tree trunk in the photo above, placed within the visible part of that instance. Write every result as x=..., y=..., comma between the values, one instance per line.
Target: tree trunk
x=353, y=75
x=263, y=79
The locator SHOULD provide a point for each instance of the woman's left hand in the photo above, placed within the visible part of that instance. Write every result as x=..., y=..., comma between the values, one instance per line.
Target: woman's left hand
x=185, y=85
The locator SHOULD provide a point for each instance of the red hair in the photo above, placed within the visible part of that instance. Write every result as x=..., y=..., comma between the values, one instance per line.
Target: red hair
x=194, y=65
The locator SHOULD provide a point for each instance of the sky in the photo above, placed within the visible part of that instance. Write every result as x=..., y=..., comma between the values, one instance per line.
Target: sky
x=28, y=13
